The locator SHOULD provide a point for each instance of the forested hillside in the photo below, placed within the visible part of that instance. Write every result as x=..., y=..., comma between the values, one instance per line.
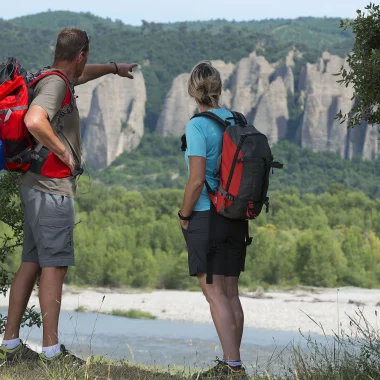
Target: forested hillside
x=134, y=239
x=159, y=163
x=167, y=50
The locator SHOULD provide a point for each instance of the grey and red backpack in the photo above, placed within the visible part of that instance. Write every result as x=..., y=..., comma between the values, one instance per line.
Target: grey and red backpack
x=18, y=149
x=246, y=162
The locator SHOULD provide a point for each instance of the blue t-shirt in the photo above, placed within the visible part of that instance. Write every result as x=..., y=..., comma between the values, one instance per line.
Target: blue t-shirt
x=204, y=139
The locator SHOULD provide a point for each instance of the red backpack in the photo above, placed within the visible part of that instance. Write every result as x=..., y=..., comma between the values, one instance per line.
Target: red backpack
x=245, y=165
x=21, y=151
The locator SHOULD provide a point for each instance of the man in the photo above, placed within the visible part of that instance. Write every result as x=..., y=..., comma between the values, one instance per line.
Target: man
x=48, y=203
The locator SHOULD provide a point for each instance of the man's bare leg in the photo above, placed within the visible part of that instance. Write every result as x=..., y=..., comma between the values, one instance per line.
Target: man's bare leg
x=51, y=283
x=21, y=289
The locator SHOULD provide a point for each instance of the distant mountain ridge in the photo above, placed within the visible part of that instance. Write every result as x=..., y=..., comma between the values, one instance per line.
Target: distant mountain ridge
x=279, y=91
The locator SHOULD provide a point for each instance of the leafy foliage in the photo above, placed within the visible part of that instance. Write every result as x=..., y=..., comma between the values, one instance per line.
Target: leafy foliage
x=132, y=238
x=158, y=162
x=364, y=67
x=11, y=216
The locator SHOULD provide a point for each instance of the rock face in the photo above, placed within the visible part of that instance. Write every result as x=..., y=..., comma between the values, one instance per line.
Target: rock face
x=260, y=90
x=178, y=108
x=85, y=94
x=247, y=89
x=112, y=109
x=249, y=82
x=371, y=146
x=112, y=116
x=364, y=141
x=225, y=69
x=324, y=97
x=272, y=111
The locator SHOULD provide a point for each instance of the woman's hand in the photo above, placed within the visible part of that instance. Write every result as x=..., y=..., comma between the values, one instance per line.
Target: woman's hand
x=184, y=224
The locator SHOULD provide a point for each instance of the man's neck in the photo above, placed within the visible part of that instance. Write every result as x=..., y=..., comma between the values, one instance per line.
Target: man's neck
x=66, y=69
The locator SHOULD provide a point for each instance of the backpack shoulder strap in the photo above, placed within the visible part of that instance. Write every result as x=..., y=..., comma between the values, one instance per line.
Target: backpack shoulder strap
x=238, y=117
x=66, y=104
x=46, y=74
x=213, y=116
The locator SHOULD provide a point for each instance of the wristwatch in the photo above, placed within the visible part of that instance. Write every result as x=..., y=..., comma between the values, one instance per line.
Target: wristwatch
x=183, y=217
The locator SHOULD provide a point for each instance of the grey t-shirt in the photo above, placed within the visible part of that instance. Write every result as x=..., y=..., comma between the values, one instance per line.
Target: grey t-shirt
x=49, y=94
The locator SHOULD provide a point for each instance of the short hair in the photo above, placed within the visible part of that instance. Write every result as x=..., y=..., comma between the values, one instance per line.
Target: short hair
x=70, y=42
x=205, y=84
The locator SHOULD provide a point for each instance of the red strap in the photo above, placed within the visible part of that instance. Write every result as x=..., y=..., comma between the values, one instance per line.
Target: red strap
x=67, y=99
x=44, y=75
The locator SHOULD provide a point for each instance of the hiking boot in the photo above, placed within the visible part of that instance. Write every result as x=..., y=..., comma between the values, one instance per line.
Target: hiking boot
x=222, y=371
x=64, y=357
x=20, y=353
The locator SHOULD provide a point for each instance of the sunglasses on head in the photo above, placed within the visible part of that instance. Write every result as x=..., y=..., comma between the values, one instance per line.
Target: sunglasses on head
x=86, y=43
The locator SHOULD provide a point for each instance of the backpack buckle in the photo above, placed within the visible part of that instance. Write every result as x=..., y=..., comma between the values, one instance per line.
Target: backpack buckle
x=229, y=197
x=266, y=205
x=183, y=143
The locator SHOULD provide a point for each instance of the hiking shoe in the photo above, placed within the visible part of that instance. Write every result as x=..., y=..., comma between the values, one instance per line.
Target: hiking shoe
x=20, y=353
x=64, y=357
x=222, y=371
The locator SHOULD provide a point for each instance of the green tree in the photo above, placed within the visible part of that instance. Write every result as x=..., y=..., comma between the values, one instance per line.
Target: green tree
x=12, y=215
x=320, y=260
x=362, y=261
x=364, y=67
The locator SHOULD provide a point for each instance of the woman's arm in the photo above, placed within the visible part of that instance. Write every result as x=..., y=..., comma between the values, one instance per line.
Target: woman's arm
x=194, y=186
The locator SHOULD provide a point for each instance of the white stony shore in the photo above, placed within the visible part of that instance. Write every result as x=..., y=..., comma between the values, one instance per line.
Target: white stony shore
x=278, y=310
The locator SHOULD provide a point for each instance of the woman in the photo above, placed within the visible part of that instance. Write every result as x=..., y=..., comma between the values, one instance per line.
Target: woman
x=197, y=215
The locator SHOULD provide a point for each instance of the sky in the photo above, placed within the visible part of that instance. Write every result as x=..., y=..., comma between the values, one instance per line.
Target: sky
x=132, y=12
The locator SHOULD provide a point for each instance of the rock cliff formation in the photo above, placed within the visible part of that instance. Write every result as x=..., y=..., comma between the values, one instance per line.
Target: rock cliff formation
x=179, y=107
x=249, y=82
x=113, y=109
x=272, y=115
x=324, y=97
x=112, y=113
x=261, y=91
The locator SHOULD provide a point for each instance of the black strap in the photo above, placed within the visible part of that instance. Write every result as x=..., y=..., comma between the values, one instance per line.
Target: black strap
x=239, y=118
x=208, y=187
x=277, y=165
x=183, y=143
x=212, y=248
x=248, y=239
x=212, y=115
x=21, y=158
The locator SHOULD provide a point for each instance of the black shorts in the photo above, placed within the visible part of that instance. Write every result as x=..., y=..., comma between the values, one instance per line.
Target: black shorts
x=229, y=237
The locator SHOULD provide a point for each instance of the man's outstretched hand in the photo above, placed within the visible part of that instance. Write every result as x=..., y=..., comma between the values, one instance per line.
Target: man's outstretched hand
x=125, y=69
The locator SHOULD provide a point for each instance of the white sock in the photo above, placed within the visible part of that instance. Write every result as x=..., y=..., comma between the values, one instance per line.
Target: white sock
x=233, y=363
x=11, y=343
x=51, y=351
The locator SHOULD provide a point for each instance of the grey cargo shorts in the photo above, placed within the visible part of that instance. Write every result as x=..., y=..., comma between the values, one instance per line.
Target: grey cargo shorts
x=48, y=228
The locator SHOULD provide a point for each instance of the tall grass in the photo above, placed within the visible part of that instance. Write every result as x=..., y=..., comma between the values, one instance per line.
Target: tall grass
x=351, y=355
x=348, y=355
